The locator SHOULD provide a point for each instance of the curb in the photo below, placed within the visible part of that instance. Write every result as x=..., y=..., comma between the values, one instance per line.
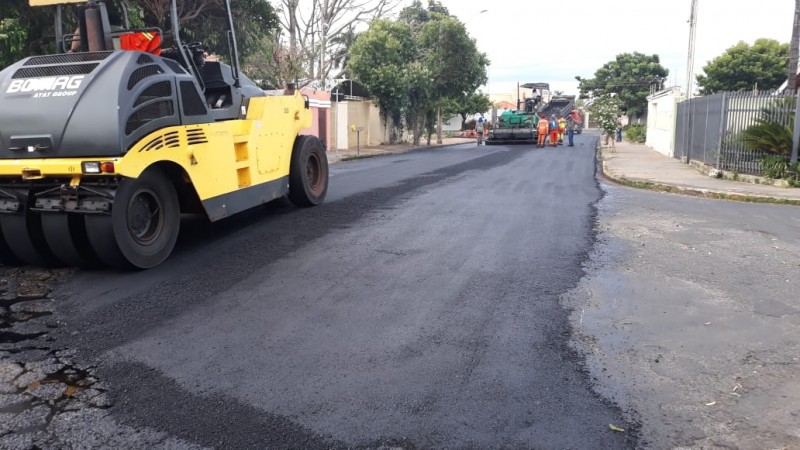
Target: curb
x=386, y=153
x=695, y=192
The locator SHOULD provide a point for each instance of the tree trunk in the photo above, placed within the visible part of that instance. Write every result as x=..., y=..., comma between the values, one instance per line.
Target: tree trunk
x=292, y=12
x=417, y=130
x=439, y=124
x=794, y=49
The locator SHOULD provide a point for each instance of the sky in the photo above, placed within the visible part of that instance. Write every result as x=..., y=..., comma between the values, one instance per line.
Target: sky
x=584, y=35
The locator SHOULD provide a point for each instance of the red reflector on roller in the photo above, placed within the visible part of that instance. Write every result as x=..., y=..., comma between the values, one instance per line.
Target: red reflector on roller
x=107, y=167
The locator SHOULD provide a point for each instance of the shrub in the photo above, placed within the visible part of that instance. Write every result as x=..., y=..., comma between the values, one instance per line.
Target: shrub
x=772, y=137
x=793, y=176
x=636, y=133
x=605, y=111
x=774, y=166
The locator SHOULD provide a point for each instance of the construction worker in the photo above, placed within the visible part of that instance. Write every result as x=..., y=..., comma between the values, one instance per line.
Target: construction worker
x=572, y=122
x=479, y=129
x=562, y=127
x=553, y=126
x=143, y=41
x=542, y=128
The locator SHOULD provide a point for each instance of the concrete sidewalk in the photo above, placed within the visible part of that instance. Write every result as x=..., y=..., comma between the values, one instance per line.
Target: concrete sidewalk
x=641, y=166
x=335, y=156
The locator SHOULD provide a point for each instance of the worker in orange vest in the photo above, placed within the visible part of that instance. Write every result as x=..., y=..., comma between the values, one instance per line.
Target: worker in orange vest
x=553, y=126
x=542, y=128
x=143, y=41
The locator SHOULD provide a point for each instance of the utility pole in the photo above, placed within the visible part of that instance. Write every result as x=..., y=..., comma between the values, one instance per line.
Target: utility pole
x=690, y=57
x=690, y=81
x=794, y=49
x=791, y=85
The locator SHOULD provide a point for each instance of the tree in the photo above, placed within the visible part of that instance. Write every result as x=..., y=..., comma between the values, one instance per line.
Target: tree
x=469, y=104
x=27, y=31
x=420, y=97
x=379, y=60
x=457, y=66
x=744, y=67
x=418, y=64
x=12, y=40
x=630, y=76
x=340, y=57
x=256, y=23
x=24, y=31
x=313, y=31
x=605, y=111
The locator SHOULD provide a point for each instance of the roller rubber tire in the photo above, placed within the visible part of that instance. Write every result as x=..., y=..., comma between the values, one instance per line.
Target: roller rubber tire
x=66, y=236
x=143, y=226
x=24, y=237
x=308, y=172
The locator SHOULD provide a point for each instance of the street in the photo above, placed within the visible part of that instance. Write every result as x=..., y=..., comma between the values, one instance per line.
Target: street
x=460, y=297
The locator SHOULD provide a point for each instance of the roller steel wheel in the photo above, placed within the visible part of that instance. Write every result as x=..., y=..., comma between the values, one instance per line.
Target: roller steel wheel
x=143, y=226
x=6, y=257
x=24, y=236
x=66, y=236
x=308, y=172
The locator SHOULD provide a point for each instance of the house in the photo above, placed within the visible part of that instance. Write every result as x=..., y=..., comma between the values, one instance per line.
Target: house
x=355, y=119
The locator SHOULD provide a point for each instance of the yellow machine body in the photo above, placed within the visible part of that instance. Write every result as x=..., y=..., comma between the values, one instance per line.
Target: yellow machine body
x=228, y=160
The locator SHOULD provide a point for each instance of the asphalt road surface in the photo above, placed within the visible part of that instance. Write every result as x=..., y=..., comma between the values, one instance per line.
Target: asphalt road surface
x=418, y=308
x=689, y=315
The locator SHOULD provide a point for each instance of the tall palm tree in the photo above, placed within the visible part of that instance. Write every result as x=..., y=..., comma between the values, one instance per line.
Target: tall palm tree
x=341, y=45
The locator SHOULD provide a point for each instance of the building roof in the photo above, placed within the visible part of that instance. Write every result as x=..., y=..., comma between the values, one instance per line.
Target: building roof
x=504, y=105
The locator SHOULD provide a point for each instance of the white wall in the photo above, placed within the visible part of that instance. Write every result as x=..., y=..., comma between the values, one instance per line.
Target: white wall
x=341, y=119
x=452, y=124
x=661, y=111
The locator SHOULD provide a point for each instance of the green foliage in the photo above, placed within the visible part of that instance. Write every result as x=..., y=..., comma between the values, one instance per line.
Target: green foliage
x=457, y=66
x=378, y=60
x=630, y=77
x=605, y=111
x=341, y=56
x=24, y=31
x=425, y=60
x=774, y=166
x=27, y=31
x=467, y=105
x=255, y=20
x=772, y=131
x=636, y=133
x=772, y=137
x=742, y=66
x=419, y=96
x=793, y=175
x=12, y=41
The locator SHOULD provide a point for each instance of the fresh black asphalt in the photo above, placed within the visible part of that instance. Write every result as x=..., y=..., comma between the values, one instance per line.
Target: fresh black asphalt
x=418, y=307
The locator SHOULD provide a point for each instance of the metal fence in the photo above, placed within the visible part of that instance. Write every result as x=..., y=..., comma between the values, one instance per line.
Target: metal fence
x=710, y=129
